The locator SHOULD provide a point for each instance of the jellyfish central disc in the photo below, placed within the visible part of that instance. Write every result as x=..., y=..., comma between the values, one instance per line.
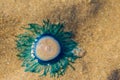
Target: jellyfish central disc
x=47, y=48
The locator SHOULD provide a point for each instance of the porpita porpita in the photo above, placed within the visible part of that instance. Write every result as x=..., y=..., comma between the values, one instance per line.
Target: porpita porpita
x=47, y=49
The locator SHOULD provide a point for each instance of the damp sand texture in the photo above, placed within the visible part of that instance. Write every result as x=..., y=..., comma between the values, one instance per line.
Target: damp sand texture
x=95, y=23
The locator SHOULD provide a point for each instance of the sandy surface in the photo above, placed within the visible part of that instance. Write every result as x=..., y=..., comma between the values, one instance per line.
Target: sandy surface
x=96, y=25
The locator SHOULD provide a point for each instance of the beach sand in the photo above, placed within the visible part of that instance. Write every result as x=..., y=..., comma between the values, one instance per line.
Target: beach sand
x=95, y=23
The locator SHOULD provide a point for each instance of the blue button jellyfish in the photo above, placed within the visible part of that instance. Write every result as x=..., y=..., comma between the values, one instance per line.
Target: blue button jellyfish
x=47, y=49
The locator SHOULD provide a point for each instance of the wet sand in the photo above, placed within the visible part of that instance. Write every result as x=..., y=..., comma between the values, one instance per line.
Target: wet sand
x=95, y=23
